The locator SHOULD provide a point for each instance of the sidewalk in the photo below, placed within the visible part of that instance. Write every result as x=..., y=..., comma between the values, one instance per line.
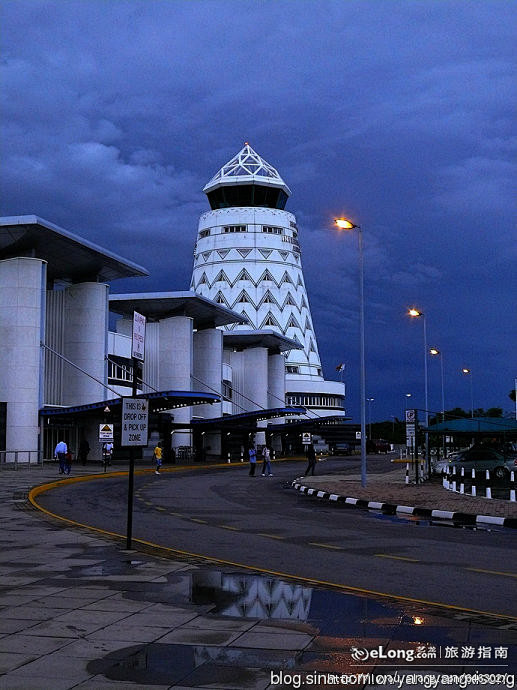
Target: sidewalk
x=390, y=488
x=79, y=611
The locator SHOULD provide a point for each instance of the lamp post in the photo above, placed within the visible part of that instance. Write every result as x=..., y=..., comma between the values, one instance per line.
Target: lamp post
x=416, y=313
x=344, y=224
x=434, y=352
x=468, y=372
x=369, y=401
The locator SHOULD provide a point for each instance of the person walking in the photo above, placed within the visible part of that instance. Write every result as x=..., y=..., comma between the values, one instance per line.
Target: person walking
x=158, y=457
x=253, y=460
x=266, y=462
x=107, y=452
x=68, y=461
x=311, y=457
x=60, y=454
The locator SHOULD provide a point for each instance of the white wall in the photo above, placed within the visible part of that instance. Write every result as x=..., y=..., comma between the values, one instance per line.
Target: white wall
x=22, y=313
x=85, y=341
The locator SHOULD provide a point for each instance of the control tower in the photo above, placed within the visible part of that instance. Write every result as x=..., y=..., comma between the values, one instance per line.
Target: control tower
x=247, y=257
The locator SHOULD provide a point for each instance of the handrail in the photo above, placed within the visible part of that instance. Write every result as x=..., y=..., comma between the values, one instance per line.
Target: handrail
x=21, y=458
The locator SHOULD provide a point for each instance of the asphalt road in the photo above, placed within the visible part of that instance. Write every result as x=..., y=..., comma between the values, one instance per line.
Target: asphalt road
x=262, y=523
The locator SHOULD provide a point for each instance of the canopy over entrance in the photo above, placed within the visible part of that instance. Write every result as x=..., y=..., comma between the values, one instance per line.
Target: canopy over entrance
x=244, y=420
x=158, y=402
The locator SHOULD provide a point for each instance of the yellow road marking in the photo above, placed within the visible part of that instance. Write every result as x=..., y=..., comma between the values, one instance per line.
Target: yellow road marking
x=42, y=488
x=396, y=558
x=235, y=529
x=492, y=572
x=203, y=522
x=326, y=546
x=271, y=536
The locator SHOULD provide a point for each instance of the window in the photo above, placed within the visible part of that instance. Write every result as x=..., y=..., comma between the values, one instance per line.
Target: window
x=204, y=233
x=227, y=390
x=234, y=228
x=272, y=230
x=292, y=369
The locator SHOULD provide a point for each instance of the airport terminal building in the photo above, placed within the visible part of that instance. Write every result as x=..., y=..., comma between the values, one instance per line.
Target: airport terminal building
x=223, y=361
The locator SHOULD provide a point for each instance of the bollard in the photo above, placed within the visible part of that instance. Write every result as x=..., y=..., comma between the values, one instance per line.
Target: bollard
x=488, y=490
x=512, y=486
x=462, y=483
x=422, y=478
x=454, y=479
x=445, y=480
x=407, y=472
x=242, y=456
x=473, y=489
x=229, y=460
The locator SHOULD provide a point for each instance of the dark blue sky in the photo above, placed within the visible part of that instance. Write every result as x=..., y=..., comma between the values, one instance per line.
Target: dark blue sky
x=397, y=113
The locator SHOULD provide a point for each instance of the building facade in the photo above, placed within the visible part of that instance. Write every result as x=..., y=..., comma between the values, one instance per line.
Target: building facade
x=247, y=257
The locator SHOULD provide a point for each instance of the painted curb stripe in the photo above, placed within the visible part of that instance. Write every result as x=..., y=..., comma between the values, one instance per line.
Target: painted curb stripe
x=464, y=518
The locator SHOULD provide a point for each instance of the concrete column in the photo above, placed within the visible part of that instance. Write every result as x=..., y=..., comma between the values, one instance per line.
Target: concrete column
x=276, y=392
x=175, y=366
x=276, y=380
x=86, y=333
x=208, y=365
x=22, y=328
x=255, y=384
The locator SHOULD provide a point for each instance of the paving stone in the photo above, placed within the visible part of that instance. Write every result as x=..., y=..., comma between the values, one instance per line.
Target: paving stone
x=11, y=660
x=261, y=640
x=32, y=645
x=196, y=636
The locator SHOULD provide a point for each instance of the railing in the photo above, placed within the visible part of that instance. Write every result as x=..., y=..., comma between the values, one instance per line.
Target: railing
x=27, y=459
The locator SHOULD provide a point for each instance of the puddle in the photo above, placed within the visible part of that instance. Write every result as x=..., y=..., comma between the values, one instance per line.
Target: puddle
x=301, y=629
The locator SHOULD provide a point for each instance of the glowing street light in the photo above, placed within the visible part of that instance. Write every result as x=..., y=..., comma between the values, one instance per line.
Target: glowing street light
x=345, y=224
x=434, y=352
x=468, y=372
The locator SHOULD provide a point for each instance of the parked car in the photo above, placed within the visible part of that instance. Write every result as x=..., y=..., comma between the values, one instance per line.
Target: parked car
x=341, y=449
x=377, y=445
x=485, y=459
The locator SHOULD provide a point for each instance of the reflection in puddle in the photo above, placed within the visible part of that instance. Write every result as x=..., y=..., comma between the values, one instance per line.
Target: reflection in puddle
x=258, y=624
x=248, y=596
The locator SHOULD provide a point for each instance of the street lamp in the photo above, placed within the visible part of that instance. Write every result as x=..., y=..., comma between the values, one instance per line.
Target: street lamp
x=434, y=352
x=468, y=372
x=416, y=313
x=345, y=224
x=369, y=401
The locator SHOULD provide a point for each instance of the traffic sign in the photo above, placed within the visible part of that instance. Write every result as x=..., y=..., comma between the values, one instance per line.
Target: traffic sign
x=135, y=421
x=357, y=435
x=138, y=340
x=306, y=439
x=105, y=432
x=410, y=416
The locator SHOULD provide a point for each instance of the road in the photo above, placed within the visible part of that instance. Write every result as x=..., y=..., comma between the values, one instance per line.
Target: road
x=262, y=523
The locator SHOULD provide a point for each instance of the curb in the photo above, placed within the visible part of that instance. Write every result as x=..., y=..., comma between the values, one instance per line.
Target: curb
x=393, y=509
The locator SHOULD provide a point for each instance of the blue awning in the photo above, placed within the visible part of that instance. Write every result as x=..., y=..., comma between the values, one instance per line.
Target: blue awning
x=158, y=402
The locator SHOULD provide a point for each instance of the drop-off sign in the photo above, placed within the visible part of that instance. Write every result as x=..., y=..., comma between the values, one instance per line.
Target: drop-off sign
x=134, y=422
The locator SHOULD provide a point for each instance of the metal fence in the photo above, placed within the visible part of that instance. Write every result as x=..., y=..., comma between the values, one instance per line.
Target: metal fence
x=21, y=459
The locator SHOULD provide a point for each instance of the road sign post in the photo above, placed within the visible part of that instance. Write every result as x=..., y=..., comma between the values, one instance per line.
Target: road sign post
x=411, y=436
x=135, y=433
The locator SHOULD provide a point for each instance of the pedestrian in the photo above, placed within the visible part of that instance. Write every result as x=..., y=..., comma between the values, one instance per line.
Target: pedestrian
x=68, y=462
x=107, y=452
x=60, y=454
x=266, y=462
x=311, y=457
x=253, y=460
x=158, y=457
x=84, y=449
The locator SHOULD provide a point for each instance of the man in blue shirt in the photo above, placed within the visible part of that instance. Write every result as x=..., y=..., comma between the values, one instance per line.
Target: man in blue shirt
x=60, y=453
